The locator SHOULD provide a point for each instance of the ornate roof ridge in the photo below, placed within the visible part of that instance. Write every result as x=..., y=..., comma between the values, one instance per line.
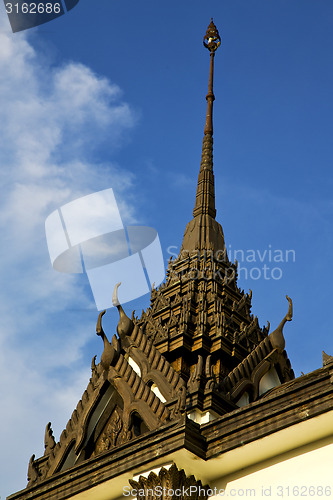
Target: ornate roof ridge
x=248, y=364
x=157, y=360
x=76, y=427
x=269, y=352
x=115, y=370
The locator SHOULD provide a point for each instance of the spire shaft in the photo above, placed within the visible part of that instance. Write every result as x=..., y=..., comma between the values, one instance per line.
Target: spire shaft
x=203, y=232
x=205, y=197
x=210, y=98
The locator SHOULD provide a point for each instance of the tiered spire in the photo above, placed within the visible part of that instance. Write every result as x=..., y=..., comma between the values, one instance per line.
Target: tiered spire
x=203, y=232
x=205, y=199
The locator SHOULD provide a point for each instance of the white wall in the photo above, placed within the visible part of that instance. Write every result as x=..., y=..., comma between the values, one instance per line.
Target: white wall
x=308, y=475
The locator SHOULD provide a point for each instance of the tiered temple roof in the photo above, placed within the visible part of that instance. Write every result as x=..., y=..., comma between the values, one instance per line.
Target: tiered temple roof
x=196, y=354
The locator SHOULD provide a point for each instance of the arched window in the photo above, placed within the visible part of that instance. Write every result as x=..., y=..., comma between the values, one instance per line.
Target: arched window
x=138, y=425
x=268, y=381
x=157, y=392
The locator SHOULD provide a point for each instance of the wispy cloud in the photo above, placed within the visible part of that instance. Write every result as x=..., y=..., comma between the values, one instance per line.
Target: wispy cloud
x=51, y=120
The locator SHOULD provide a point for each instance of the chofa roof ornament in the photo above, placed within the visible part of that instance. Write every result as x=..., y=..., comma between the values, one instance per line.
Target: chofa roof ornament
x=276, y=337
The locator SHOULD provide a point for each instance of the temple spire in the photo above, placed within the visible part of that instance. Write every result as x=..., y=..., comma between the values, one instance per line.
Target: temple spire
x=211, y=41
x=205, y=198
x=203, y=232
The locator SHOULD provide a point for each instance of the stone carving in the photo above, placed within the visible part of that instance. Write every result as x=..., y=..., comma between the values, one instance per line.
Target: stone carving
x=154, y=329
x=112, y=434
x=194, y=381
x=33, y=471
x=49, y=441
x=169, y=479
x=202, y=314
x=93, y=365
x=160, y=303
x=241, y=306
x=266, y=328
x=173, y=320
x=185, y=314
x=327, y=359
x=209, y=374
x=181, y=403
x=177, y=299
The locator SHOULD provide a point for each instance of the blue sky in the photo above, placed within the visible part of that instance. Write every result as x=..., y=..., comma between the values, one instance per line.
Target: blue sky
x=113, y=95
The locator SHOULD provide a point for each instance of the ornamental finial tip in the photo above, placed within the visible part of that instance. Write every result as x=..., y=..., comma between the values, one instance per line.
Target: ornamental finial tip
x=212, y=39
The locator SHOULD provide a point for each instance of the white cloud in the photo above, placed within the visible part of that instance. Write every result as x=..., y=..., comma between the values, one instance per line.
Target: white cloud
x=50, y=117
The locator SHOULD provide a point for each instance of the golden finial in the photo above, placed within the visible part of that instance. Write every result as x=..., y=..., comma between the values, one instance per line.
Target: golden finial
x=212, y=39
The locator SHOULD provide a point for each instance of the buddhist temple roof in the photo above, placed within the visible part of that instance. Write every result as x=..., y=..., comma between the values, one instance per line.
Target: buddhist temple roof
x=196, y=354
